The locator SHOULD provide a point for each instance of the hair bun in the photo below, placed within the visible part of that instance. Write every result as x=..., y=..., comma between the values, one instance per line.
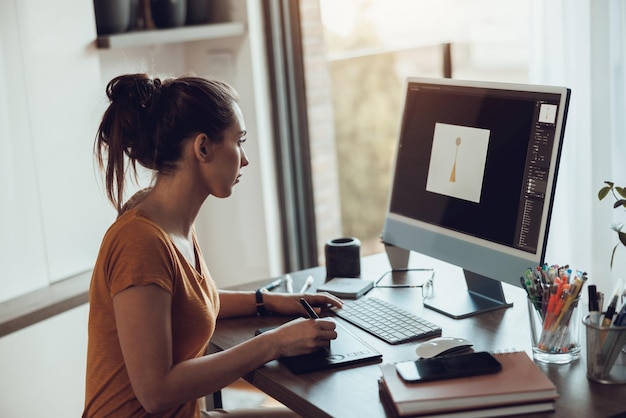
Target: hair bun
x=137, y=89
x=145, y=91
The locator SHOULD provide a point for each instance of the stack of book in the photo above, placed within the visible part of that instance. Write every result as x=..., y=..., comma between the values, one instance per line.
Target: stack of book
x=519, y=388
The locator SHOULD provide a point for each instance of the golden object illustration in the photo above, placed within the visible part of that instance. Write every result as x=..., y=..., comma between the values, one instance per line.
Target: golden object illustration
x=456, y=153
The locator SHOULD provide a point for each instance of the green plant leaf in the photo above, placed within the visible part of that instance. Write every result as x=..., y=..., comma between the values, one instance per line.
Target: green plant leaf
x=622, y=237
x=603, y=192
x=619, y=193
x=613, y=255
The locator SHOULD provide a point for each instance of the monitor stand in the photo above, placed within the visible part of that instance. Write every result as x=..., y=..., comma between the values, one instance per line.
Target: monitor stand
x=482, y=294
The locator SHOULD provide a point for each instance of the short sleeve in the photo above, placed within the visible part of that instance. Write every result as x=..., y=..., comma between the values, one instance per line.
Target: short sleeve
x=138, y=253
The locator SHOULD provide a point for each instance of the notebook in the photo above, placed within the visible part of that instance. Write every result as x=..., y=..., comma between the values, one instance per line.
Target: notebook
x=347, y=288
x=346, y=350
x=496, y=411
x=520, y=381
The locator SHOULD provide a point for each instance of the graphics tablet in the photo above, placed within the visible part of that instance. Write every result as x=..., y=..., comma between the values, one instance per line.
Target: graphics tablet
x=347, y=349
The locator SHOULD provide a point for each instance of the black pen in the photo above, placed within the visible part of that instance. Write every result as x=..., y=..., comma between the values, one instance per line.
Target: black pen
x=594, y=311
x=610, y=311
x=620, y=319
x=309, y=309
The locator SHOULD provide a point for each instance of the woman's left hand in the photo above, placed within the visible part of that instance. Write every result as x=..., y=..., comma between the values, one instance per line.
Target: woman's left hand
x=289, y=304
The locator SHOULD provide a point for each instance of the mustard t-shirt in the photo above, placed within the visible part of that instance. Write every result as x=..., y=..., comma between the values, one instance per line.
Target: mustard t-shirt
x=135, y=252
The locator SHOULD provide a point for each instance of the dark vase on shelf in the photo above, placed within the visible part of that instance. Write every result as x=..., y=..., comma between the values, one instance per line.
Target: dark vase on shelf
x=198, y=12
x=168, y=13
x=112, y=16
x=136, y=15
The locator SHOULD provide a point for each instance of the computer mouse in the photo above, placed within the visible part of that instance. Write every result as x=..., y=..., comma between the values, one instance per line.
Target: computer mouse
x=442, y=346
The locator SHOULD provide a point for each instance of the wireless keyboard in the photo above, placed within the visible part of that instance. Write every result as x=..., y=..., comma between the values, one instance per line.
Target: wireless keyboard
x=387, y=321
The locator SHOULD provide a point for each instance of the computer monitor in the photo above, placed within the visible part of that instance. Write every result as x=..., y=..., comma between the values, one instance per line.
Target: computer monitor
x=473, y=184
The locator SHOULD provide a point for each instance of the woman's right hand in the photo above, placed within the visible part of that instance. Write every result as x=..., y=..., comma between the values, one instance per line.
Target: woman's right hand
x=303, y=336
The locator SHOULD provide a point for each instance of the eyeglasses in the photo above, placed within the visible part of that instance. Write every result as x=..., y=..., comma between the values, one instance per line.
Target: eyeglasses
x=424, y=279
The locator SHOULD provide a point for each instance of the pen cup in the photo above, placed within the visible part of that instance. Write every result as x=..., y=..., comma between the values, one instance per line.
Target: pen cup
x=606, y=358
x=555, y=336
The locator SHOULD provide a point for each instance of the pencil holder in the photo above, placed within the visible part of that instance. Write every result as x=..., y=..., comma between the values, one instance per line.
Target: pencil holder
x=606, y=358
x=555, y=335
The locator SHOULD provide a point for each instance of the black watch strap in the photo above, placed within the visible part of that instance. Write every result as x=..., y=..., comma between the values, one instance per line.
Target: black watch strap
x=260, y=305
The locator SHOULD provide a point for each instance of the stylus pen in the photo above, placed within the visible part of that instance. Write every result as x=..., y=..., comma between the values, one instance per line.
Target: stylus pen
x=309, y=309
x=313, y=315
x=273, y=285
x=309, y=281
x=289, y=283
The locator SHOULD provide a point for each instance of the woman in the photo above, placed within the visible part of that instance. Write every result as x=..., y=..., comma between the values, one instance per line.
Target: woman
x=153, y=303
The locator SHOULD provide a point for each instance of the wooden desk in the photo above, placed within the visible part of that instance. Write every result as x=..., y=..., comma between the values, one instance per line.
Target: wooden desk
x=353, y=392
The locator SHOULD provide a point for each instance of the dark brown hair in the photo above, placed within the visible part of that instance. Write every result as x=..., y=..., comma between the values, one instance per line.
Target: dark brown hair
x=148, y=120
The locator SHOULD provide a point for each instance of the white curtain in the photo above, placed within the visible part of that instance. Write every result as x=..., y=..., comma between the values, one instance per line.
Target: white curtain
x=581, y=44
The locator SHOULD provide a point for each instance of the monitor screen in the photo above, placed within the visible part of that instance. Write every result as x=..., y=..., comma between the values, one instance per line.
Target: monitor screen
x=474, y=178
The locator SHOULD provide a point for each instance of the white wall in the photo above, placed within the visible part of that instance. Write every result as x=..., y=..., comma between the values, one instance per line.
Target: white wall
x=55, y=80
x=43, y=373
x=48, y=117
x=240, y=236
x=20, y=223
x=53, y=210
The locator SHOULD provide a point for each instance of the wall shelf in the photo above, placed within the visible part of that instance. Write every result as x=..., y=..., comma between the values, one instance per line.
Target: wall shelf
x=173, y=35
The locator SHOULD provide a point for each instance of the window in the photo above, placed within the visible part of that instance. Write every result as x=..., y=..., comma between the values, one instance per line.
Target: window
x=358, y=54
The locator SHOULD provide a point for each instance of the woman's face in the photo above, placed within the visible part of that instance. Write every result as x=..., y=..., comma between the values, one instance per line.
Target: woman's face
x=229, y=158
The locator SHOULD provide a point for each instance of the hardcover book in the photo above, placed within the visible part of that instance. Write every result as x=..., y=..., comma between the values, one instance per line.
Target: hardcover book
x=519, y=382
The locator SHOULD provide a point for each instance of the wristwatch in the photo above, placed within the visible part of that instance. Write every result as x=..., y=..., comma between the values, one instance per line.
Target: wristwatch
x=260, y=305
